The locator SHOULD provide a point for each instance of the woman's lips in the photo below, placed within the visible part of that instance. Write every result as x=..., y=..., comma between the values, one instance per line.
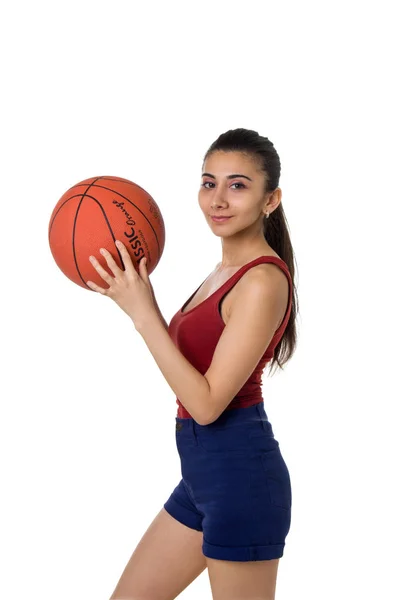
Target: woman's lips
x=220, y=219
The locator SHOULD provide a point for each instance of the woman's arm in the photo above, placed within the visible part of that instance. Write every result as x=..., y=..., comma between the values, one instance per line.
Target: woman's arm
x=189, y=385
x=255, y=313
x=164, y=322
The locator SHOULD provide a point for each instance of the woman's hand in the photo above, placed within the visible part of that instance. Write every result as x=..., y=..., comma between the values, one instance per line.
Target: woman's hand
x=132, y=291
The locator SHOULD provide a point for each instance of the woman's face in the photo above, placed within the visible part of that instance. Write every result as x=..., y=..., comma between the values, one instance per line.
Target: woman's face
x=224, y=193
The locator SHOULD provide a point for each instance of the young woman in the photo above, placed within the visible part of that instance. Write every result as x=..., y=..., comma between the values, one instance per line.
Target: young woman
x=231, y=511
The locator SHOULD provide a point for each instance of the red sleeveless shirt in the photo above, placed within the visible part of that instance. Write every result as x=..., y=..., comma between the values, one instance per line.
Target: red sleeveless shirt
x=196, y=334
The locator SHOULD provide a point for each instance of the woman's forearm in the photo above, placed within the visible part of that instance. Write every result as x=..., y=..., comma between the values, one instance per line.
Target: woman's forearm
x=163, y=321
x=189, y=385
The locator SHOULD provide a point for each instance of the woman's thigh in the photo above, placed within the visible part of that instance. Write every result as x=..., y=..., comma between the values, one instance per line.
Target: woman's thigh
x=167, y=559
x=232, y=580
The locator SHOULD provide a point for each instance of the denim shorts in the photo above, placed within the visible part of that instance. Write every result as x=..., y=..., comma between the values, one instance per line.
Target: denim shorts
x=235, y=485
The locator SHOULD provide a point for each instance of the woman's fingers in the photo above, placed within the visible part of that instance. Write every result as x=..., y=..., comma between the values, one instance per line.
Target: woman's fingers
x=102, y=272
x=126, y=259
x=96, y=288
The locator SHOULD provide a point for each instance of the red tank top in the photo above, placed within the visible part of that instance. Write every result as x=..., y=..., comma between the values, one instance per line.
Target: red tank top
x=196, y=334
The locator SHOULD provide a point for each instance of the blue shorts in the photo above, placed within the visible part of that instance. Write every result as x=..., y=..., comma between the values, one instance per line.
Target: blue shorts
x=235, y=485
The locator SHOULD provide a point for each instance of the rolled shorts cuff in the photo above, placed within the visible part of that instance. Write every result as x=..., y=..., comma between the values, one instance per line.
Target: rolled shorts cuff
x=243, y=553
x=183, y=514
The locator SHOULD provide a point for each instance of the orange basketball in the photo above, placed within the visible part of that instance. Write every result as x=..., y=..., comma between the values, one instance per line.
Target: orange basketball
x=93, y=214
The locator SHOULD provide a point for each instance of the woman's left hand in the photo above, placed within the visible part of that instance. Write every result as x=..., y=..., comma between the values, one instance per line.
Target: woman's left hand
x=129, y=289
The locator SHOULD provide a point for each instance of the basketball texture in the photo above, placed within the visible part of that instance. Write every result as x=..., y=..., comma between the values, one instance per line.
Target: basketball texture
x=93, y=214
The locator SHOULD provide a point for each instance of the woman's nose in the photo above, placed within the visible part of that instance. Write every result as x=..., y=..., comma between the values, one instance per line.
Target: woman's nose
x=218, y=199
x=218, y=204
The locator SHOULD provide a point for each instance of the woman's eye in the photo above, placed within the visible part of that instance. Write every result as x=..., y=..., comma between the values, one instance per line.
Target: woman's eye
x=206, y=182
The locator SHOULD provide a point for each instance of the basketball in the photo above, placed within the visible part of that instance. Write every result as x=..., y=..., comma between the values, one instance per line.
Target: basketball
x=94, y=213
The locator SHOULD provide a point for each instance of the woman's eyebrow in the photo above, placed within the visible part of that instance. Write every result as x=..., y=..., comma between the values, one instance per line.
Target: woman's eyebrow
x=228, y=176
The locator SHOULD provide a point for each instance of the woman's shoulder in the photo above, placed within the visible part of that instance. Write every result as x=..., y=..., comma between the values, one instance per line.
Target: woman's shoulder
x=266, y=276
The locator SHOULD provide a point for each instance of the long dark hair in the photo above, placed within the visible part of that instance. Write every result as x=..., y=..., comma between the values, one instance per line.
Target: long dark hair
x=276, y=230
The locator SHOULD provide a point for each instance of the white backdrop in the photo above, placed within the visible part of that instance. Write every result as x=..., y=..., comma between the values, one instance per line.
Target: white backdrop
x=87, y=430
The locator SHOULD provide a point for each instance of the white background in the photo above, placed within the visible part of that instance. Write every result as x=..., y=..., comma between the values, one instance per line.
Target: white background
x=87, y=430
